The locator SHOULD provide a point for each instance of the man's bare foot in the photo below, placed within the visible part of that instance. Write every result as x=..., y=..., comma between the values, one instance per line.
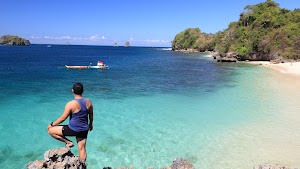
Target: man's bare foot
x=70, y=144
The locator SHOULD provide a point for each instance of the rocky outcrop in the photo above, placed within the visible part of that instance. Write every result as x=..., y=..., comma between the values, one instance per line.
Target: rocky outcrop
x=127, y=45
x=61, y=158
x=226, y=57
x=261, y=56
x=180, y=164
x=13, y=40
x=186, y=50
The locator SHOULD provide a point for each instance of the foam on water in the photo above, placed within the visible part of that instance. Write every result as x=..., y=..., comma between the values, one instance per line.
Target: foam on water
x=165, y=49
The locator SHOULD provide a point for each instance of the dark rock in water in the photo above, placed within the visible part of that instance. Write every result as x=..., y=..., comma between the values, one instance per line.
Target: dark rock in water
x=226, y=59
x=127, y=44
x=180, y=164
x=61, y=158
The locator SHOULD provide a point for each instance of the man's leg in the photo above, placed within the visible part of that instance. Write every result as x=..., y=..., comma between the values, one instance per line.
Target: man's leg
x=56, y=132
x=81, y=142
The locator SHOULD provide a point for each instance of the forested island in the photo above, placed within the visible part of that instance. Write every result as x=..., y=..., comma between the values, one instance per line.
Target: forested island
x=263, y=32
x=13, y=40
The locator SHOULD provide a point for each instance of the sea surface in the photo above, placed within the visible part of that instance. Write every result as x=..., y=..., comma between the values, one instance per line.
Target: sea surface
x=150, y=106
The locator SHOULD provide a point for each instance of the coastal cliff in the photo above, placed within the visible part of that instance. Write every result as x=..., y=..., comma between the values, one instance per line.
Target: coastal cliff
x=13, y=40
x=263, y=32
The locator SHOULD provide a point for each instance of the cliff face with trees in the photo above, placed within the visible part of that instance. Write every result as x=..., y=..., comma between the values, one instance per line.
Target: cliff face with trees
x=263, y=32
x=192, y=38
x=13, y=40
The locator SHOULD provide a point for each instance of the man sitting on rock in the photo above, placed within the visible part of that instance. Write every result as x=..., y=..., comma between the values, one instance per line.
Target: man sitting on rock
x=79, y=110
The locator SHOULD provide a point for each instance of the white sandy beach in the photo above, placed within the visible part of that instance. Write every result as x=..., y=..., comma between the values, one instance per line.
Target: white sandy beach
x=289, y=67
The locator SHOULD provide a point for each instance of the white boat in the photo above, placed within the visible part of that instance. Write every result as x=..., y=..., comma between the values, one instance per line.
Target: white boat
x=49, y=46
x=100, y=65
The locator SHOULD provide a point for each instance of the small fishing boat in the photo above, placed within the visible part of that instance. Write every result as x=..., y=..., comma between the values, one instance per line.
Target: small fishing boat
x=100, y=65
x=49, y=46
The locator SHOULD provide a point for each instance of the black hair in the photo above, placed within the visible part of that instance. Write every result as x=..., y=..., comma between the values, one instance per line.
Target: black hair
x=78, y=88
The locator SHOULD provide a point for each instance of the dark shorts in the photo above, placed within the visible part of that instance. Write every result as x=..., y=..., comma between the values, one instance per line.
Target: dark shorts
x=69, y=132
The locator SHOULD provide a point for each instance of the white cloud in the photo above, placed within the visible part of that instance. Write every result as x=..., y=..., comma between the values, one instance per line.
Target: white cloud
x=91, y=38
x=151, y=41
x=53, y=38
x=34, y=37
x=96, y=37
x=78, y=38
x=157, y=41
x=64, y=38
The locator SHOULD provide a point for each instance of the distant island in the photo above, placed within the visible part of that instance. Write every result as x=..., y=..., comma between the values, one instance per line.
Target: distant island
x=13, y=40
x=263, y=32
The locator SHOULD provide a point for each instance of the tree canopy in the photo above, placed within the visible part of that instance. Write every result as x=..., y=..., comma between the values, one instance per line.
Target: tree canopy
x=192, y=38
x=263, y=32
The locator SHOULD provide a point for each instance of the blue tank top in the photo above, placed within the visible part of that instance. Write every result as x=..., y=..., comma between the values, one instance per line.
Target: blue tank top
x=79, y=120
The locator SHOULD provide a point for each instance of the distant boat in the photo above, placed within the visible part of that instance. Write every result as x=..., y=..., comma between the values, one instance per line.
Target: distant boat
x=49, y=46
x=100, y=65
x=68, y=43
x=115, y=44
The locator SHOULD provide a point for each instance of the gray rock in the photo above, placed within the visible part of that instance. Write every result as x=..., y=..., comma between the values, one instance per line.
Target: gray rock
x=60, y=158
x=63, y=158
x=180, y=164
x=36, y=164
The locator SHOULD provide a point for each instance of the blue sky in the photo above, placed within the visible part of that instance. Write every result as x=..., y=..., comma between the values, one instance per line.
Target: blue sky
x=103, y=22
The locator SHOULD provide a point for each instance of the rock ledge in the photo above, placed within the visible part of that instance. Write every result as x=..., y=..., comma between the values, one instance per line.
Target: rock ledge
x=61, y=158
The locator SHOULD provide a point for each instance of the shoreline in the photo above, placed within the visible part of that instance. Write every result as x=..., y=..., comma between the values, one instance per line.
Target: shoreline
x=291, y=68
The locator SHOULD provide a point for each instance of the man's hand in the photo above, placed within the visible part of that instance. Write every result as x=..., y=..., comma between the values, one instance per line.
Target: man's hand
x=91, y=127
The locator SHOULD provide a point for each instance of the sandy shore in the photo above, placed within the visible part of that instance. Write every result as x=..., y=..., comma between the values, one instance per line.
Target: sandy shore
x=289, y=68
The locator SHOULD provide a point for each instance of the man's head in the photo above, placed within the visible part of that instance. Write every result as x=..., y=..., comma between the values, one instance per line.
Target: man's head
x=78, y=88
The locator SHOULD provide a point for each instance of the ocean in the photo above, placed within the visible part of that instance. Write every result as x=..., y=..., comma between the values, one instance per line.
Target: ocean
x=150, y=106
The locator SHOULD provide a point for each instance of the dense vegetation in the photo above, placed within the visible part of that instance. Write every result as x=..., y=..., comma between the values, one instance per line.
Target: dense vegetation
x=13, y=40
x=193, y=38
x=263, y=32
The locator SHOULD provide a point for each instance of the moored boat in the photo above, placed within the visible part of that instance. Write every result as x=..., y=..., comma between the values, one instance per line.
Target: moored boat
x=100, y=65
x=77, y=67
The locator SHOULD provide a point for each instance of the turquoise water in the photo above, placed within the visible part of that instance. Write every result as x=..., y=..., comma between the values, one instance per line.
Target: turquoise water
x=151, y=105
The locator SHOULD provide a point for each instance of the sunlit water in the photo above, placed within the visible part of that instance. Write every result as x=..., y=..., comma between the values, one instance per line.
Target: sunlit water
x=151, y=105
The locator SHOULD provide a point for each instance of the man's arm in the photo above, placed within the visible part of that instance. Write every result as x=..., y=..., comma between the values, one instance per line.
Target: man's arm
x=64, y=116
x=91, y=116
